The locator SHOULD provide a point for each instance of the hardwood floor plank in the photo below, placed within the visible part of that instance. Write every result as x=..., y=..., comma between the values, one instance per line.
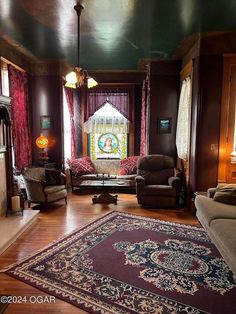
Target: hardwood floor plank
x=59, y=220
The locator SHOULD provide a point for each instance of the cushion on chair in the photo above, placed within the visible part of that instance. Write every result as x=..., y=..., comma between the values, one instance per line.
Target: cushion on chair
x=155, y=162
x=53, y=189
x=225, y=193
x=81, y=166
x=37, y=173
x=52, y=176
x=52, y=197
x=129, y=165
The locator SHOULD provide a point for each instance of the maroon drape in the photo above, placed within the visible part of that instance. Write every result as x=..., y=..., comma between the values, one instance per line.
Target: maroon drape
x=70, y=103
x=18, y=82
x=117, y=97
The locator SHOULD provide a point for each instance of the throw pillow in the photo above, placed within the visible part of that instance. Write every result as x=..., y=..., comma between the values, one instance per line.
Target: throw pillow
x=129, y=165
x=225, y=193
x=81, y=166
x=52, y=177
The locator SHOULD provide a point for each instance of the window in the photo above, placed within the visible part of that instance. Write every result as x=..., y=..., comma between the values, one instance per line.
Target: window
x=108, y=133
x=4, y=79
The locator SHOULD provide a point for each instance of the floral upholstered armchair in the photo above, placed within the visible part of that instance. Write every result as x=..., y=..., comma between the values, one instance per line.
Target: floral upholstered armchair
x=158, y=182
x=44, y=185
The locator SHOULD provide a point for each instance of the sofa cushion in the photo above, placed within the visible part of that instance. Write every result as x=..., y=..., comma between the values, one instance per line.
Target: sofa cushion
x=208, y=210
x=129, y=165
x=81, y=166
x=223, y=231
x=106, y=166
x=225, y=193
x=127, y=177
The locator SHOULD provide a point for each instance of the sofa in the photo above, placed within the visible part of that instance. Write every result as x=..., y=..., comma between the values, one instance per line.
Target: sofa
x=158, y=182
x=219, y=220
x=102, y=169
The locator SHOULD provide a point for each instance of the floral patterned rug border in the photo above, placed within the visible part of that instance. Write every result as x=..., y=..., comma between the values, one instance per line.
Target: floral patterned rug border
x=168, y=266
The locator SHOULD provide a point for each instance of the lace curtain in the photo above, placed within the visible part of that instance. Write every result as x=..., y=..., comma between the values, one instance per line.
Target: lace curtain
x=184, y=120
x=145, y=114
x=107, y=119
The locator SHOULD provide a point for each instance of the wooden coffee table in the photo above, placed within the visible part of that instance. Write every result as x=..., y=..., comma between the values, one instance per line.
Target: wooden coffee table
x=105, y=186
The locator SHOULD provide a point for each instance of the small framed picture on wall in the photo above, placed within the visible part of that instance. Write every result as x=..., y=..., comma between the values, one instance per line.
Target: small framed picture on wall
x=164, y=125
x=45, y=122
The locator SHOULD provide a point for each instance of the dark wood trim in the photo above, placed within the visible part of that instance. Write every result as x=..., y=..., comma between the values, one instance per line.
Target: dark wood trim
x=227, y=118
x=5, y=105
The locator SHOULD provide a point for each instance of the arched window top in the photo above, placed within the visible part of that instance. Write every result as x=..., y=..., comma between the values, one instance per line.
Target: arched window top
x=107, y=117
x=107, y=110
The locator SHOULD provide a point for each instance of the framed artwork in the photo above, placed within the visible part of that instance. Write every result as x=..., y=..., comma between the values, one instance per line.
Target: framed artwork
x=108, y=143
x=164, y=125
x=45, y=122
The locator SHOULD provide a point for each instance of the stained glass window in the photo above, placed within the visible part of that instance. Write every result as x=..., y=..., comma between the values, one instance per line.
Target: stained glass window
x=108, y=136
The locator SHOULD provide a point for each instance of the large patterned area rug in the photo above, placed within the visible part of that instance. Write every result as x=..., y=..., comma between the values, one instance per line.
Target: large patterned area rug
x=123, y=263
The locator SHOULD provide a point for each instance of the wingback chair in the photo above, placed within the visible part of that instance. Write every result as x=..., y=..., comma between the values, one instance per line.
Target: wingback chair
x=157, y=182
x=42, y=187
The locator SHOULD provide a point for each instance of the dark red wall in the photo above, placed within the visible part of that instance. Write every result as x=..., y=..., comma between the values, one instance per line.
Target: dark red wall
x=46, y=99
x=164, y=96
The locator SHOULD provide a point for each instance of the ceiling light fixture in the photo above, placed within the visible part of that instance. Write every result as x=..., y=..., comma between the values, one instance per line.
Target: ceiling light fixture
x=78, y=76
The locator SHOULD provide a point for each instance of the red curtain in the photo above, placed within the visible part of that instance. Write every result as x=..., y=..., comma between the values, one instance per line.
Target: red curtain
x=117, y=97
x=144, y=117
x=18, y=82
x=70, y=103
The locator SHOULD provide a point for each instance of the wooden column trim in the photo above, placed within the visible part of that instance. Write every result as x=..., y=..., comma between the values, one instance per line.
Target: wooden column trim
x=186, y=71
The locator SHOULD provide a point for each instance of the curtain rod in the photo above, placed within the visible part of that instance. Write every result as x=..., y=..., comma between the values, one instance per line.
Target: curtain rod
x=11, y=63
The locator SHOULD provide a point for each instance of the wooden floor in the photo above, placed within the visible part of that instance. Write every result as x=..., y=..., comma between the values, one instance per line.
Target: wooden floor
x=56, y=221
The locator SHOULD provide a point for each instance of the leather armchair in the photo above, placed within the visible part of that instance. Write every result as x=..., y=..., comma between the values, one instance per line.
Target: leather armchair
x=158, y=182
x=42, y=192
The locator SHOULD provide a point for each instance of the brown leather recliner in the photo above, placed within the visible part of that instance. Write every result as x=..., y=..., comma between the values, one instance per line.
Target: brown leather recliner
x=158, y=182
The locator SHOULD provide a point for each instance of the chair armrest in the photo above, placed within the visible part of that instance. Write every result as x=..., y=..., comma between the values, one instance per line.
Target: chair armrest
x=176, y=183
x=140, y=184
x=211, y=192
x=63, y=178
x=140, y=180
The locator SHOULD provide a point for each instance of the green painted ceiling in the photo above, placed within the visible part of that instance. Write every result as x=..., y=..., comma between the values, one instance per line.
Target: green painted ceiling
x=115, y=34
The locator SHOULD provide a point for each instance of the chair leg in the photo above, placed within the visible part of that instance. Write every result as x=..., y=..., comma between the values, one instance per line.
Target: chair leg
x=29, y=203
x=66, y=200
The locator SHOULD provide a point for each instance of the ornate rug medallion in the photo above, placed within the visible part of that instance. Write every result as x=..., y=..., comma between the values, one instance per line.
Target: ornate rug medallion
x=123, y=263
x=179, y=266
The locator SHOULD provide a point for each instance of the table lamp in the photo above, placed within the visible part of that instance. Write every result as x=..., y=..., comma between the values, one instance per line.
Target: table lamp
x=42, y=143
